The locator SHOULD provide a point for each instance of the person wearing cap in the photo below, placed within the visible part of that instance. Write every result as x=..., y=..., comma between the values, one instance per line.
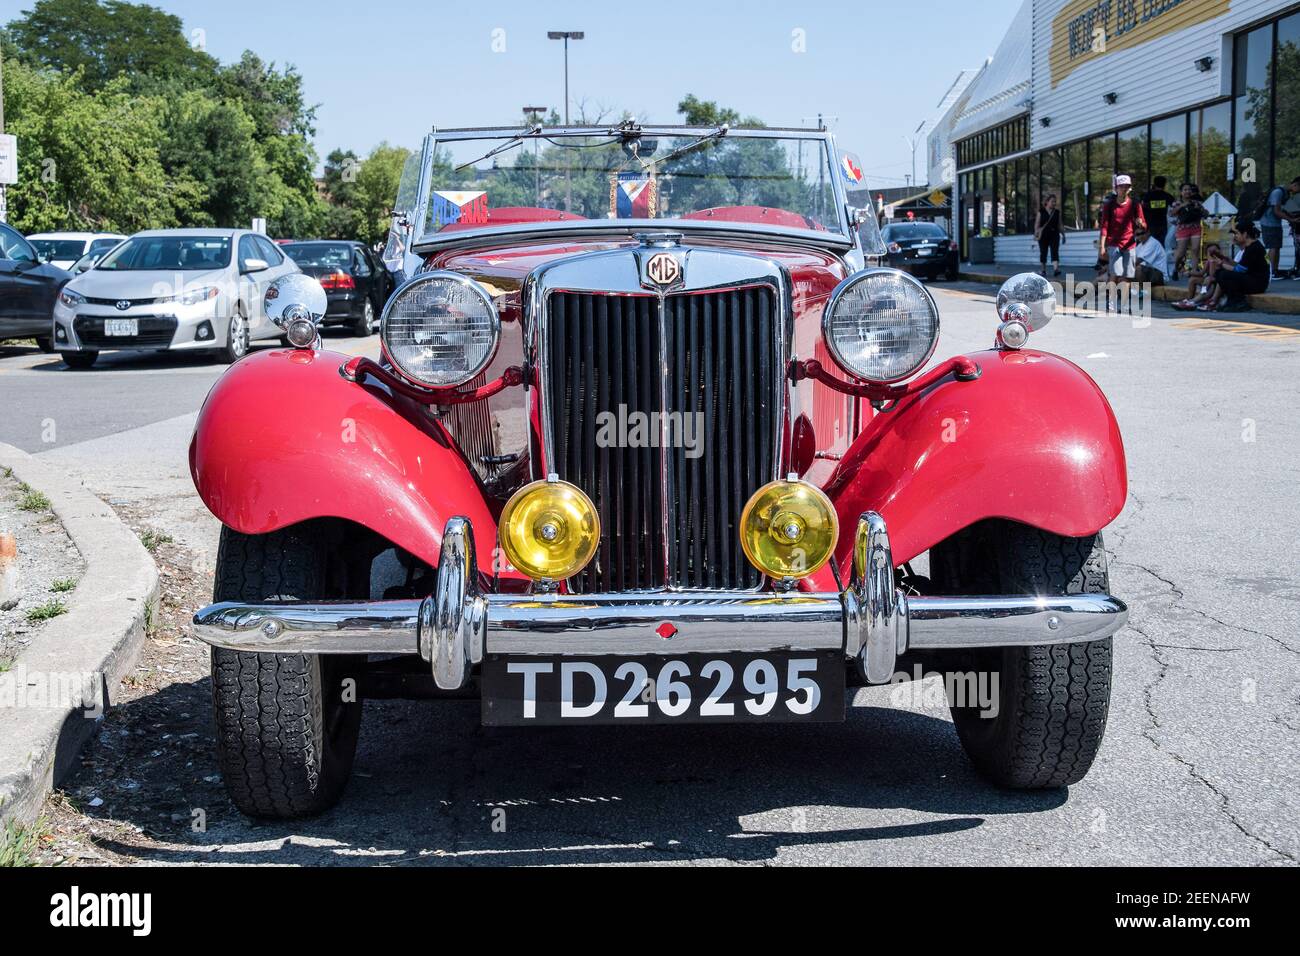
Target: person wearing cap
x=1120, y=219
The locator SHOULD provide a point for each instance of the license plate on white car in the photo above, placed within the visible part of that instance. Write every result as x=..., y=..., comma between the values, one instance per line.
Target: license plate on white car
x=126, y=327
x=781, y=686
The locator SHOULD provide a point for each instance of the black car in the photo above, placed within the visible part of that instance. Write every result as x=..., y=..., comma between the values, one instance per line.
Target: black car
x=28, y=288
x=355, y=281
x=921, y=248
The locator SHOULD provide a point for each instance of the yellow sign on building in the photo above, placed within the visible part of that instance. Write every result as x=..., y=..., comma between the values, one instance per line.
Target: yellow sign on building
x=1086, y=30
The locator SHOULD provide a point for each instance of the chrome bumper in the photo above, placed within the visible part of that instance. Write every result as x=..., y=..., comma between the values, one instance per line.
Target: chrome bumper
x=871, y=621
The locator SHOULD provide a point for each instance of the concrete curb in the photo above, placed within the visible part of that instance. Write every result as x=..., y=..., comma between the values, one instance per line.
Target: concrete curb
x=95, y=643
x=1176, y=292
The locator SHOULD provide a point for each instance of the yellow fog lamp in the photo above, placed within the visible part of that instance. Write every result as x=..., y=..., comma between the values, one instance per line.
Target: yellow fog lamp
x=549, y=530
x=788, y=529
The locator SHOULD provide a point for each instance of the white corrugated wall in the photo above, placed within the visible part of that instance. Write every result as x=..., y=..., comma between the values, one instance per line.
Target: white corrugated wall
x=1150, y=79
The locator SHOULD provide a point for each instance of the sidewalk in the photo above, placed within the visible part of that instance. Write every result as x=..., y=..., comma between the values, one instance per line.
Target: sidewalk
x=1282, y=297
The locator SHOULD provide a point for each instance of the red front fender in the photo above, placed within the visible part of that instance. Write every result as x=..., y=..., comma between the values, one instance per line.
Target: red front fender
x=283, y=438
x=1032, y=440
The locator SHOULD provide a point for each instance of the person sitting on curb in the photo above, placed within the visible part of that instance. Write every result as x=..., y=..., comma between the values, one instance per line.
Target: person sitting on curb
x=1247, y=277
x=1152, y=259
x=1200, y=282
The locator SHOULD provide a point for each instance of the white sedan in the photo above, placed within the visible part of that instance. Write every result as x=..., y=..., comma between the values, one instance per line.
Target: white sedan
x=177, y=289
x=62, y=249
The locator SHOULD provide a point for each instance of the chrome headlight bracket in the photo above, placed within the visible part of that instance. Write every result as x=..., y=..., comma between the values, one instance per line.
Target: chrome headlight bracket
x=480, y=335
x=910, y=286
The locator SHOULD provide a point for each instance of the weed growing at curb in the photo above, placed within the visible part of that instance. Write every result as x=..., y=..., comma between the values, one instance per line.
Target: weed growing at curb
x=33, y=500
x=18, y=843
x=151, y=539
x=43, y=612
x=62, y=585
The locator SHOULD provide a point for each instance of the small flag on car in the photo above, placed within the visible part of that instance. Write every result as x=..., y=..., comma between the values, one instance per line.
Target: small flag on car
x=633, y=196
x=459, y=207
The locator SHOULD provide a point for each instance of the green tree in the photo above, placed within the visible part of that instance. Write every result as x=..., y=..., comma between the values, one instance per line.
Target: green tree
x=698, y=112
x=105, y=40
x=376, y=190
x=342, y=219
x=235, y=140
x=213, y=143
x=87, y=160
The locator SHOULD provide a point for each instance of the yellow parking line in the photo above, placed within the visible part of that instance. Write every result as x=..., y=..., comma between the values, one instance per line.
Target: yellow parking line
x=1251, y=329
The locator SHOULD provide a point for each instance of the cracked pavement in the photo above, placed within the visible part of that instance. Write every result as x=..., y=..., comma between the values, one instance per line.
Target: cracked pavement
x=1201, y=757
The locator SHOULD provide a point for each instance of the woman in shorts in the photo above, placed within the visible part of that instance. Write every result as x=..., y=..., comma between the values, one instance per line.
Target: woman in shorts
x=1188, y=213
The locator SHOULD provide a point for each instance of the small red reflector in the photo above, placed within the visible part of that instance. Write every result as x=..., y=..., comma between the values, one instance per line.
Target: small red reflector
x=665, y=630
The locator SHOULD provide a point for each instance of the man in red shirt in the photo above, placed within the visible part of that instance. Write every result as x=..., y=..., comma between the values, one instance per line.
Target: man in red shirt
x=1120, y=218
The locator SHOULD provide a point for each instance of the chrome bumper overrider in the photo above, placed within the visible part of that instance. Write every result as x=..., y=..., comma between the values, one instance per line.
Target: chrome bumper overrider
x=872, y=621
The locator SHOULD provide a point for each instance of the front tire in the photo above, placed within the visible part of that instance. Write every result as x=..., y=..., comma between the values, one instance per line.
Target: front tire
x=45, y=343
x=365, y=324
x=237, y=339
x=1051, y=700
x=79, y=360
x=286, y=724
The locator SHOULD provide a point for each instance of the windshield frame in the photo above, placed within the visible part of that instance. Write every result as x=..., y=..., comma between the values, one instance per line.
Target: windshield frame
x=837, y=235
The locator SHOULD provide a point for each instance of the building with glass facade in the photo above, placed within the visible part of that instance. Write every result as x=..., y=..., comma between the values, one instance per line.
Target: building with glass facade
x=1202, y=91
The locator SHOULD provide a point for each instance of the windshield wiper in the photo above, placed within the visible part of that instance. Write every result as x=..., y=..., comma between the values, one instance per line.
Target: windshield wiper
x=508, y=144
x=702, y=139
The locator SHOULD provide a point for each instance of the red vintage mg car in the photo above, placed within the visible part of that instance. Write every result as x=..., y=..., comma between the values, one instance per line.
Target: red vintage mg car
x=651, y=439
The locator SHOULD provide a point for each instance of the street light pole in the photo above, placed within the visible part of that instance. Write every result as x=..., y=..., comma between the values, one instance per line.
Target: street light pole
x=912, y=142
x=532, y=113
x=566, y=36
x=4, y=190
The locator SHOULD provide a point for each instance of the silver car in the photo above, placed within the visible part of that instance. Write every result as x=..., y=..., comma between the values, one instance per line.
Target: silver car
x=172, y=289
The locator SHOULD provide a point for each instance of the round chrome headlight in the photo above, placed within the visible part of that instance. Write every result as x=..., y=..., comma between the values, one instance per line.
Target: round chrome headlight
x=440, y=329
x=881, y=325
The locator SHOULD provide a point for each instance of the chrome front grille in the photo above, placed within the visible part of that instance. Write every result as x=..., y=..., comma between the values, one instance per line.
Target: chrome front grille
x=669, y=514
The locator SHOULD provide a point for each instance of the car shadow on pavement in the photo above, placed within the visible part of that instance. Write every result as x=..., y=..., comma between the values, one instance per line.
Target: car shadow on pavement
x=433, y=787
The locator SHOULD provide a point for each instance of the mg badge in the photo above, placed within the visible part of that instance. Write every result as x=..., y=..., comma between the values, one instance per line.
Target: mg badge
x=123, y=304
x=663, y=269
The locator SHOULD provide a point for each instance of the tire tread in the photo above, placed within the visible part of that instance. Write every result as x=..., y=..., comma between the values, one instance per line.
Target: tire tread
x=1055, y=698
x=269, y=708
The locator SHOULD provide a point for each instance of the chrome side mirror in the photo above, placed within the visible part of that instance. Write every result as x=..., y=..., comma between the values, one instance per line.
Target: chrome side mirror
x=1025, y=303
x=1034, y=293
x=297, y=304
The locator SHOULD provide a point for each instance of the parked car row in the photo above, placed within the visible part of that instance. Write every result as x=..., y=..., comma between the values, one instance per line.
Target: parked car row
x=172, y=289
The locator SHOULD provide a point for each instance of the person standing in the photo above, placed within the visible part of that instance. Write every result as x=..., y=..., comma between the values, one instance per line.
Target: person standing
x=1270, y=227
x=1047, y=230
x=1120, y=219
x=1291, y=213
x=1188, y=214
x=1155, y=204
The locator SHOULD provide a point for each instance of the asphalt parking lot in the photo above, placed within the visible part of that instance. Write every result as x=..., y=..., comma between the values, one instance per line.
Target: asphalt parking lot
x=1199, y=764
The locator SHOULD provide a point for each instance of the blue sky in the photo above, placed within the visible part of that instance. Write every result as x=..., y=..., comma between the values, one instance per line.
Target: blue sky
x=390, y=69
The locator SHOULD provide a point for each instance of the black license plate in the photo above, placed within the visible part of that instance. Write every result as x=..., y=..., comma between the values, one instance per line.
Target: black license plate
x=729, y=688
